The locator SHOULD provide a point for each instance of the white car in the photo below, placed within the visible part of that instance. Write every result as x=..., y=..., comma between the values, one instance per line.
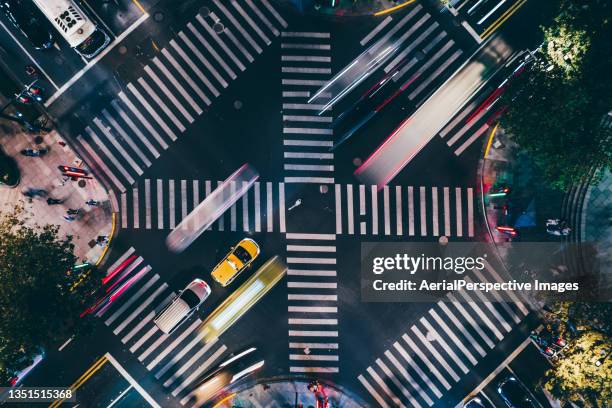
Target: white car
x=182, y=306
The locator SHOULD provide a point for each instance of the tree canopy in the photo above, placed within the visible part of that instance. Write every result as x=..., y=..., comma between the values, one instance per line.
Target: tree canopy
x=555, y=110
x=38, y=309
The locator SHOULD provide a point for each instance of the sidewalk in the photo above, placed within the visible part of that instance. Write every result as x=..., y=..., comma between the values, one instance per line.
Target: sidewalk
x=42, y=173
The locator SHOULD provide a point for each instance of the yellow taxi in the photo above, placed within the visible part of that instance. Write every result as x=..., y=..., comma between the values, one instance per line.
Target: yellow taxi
x=236, y=261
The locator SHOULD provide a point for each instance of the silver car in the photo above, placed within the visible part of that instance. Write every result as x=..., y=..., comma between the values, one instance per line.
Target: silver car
x=182, y=306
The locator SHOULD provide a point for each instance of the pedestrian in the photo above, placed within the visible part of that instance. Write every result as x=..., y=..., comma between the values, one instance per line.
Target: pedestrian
x=73, y=211
x=321, y=397
x=69, y=218
x=102, y=240
x=54, y=201
x=30, y=70
x=92, y=203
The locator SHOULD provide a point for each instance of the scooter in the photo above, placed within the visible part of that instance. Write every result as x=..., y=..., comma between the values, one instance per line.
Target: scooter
x=34, y=152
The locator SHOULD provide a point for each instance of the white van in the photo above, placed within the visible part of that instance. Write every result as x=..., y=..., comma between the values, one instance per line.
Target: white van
x=182, y=306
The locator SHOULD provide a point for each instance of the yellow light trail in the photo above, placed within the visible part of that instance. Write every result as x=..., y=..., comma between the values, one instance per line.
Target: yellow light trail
x=394, y=8
x=490, y=141
x=137, y=3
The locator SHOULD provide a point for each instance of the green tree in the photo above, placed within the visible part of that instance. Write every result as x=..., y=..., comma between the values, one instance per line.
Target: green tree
x=38, y=305
x=583, y=373
x=9, y=174
x=555, y=109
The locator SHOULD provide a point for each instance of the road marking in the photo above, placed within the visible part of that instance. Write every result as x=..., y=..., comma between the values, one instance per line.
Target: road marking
x=126, y=137
x=132, y=382
x=161, y=104
x=153, y=346
x=245, y=208
x=181, y=354
x=311, y=236
x=106, y=131
x=196, y=199
x=124, y=219
x=333, y=346
x=338, y=200
x=212, y=51
x=312, y=285
x=206, y=63
x=306, y=70
x=423, y=210
x=313, y=357
x=305, y=34
x=397, y=383
x=515, y=298
x=307, y=131
x=304, y=58
x=313, y=261
x=281, y=207
x=174, y=344
x=349, y=200
x=480, y=313
x=385, y=388
x=269, y=207
x=307, y=118
x=302, y=106
x=437, y=72
x=94, y=61
x=183, y=199
x=459, y=212
x=171, y=204
x=178, y=374
x=402, y=55
x=140, y=308
x=220, y=42
x=399, y=367
x=250, y=21
x=101, y=163
x=119, y=260
x=417, y=369
x=374, y=195
x=239, y=27
x=300, y=46
x=143, y=322
x=492, y=309
x=198, y=372
x=274, y=13
x=187, y=78
x=151, y=111
x=141, y=118
x=313, y=369
x=305, y=82
x=328, y=322
x=386, y=210
x=450, y=334
x=108, y=154
x=434, y=211
x=332, y=298
x=438, y=356
x=175, y=83
x=136, y=213
x=313, y=333
x=160, y=204
x=263, y=18
x=299, y=155
x=311, y=143
x=311, y=248
x=447, y=228
x=428, y=363
x=319, y=180
x=147, y=203
x=470, y=209
x=257, y=207
x=462, y=329
x=233, y=207
x=296, y=94
x=362, y=208
x=471, y=321
x=234, y=40
x=472, y=139
x=410, y=210
x=310, y=272
x=375, y=31
x=313, y=309
x=398, y=210
x=309, y=167
x=134, y=129
x=372, y=392
x=499, y=299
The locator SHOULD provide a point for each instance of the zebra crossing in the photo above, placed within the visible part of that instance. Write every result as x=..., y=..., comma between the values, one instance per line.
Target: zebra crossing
x=444, y=345
x=404, y=210
x=312, y=303
x=176, y=87
x=307, y=136
x=428, y=55
x=176, y=360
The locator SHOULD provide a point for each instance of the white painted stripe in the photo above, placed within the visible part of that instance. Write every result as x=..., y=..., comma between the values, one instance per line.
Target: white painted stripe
x=140, y=308
x=307, y=118
x=108, y=153
x=372, y=392
x=470, y=210
x=250, y=21
x=304, y=58
x=220, y=42
x=386, y=210
x=312, y=333
x=293, y=235
x=310, y=272
x=269, y=208
x=299, y=155
x=349, y=209
x=435, y=353
x=315, y=143
x=183, y=199
x=124, y=210
x=471, y=321
x=472, y=139
x=148, y=204
x=466, y=127
x=459, y=212
x=300, y=46
x=305, y=70
x=125, y=137
x=131, y=300
x=319, y=180
x=338, y=203
x=314, y=261
x=161, y=104
x=196, y=70
x=212, y=51
x=132, y=382
x=303, y=82
x=305, y=34
x=296, y=94
x=313, y=309
x=432, y=367
x=176, y=83
x=274, y=13
x=100, y=163
x=312, y=357
x=257, y=207
x=515, y=298
x=450, y=334
x=135, y=129
x=434, y=211
x=182, y=353
x=417, y=369
x=312, y=285
x=233, y=207
x=362, y=208
x=374, y=193
x=462, y=329
x=313, y=369
x=423, y=210
x=172, y=346
x=327, y=322
x=263, y=18
x=397, y=383
x=201, y=368
x=160, y=204
x=234, y=40
x=413, y=43
x=206, y=63
x=236, y=24
x=281, y=207
x=196, y=198
x=447, y=228
x=136, y=212
x=302, y=106
x=119, y=260
x=143, y=339
x=332, y=298
x=178, y=374
x=245, y=208
x=151, y=111
x=142, y=120
x=398, y=210
x=165, y=89
x=410, y=210
x=311, y=248
x=171, y=204
x=385, y=388
x=309, y=167
x=400, y=368
x=375, y=31
x=153, y=346
x=307, y=131
x=468, y=109
x=499, y=299
x=437, y=73
x=332, y=346
x=383, y=40
x=491, y=308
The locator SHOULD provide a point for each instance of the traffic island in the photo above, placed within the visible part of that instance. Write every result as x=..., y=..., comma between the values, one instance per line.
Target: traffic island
x=46, y=194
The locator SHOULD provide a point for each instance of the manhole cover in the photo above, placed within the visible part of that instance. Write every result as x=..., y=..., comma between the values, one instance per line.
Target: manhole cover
x=122, y=49
x=237, y=105
x=420, y=55
x=205, y=11
x=357, y=161
x=82, y=183
x=218, y=27
x=58, y=60
x=158, y=16
x=443, y=240
x=38, y=139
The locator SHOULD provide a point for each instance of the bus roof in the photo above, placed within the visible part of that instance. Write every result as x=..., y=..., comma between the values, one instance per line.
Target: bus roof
x=68, y=19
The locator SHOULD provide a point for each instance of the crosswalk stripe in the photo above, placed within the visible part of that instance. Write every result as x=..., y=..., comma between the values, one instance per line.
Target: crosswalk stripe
x=375, y=31
x=319, y=180
x=305, y=34
x=310, y=272
x=181, y=354
x=183, y=199
x=466, y=127
x=458, y=210
x=220, y=42
x=274, y=13
x=434, y=211
x=119, y=260
x=304, y=82
x=171, y=204
x=312, y=143
x=240, y=29
x=300, y=46
x=135, y=129
x=165, y=89
x=110, y=155
x=263, y=18
x=147, y=204
x=160, y=204
x=178, y=373
x=338, y=202
x=306, y=155
x=447, y=228
x=212, y=51
x=372, y=392
x=153, y=346
x=313, y=309
x=462, y=329
x=234, y=40
x=480, y=313
x=305, y=70
x=152, y=111
x=302, y=106
x=307, y=118
x=314, y=261
x=100, y=163
x=386, y=210
x=327, y=370
x=131, y=300
x=313, y=333
x=397, y=383
x=471, y=321
x=161, y=104
x=349, y=200
x=233, y=221
x=257, y=207
x=196, y=197
x=427, y=362
x=296, y=94
x=293, y=235
x=450, y=334
x=312, y=285
x=126, y=137
x=281, y=207
x=174, y=344
x=329, y=322
x=312, y=357
x=124, y=215
x=329, y=346
x=362, y=208
x=201, y=368
x=245, y=209
x=400, y=368
x=470, y=210
x=309, y=167
x=250, y=21
x=136, y=208
x=437, y=72
x=499, y=299
x=410, y=210
x=472, y=139
x=304, y=58
x=206, y=63
x=141, y=118
x=385, y=388
x=374, y=194
x=515, y=298
x=143, y=322
x=307, y=131
x=492, y=309
x=143, y=339
x=269, y=209
x=417, y=369
x=436, y=354
x=423, y=210
x=221, y=222
x=398, y=210
x=140, y=308
x=331, y=298
x=391, y=33
x=412, y=43
x=111, y=138
x=188, y=79
x=311, y=248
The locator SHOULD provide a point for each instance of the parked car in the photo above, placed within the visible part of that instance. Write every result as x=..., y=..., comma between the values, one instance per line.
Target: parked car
x=474, y=403
x=182, y=306
x=239, y=258
x=515, y=395
x=30, y=21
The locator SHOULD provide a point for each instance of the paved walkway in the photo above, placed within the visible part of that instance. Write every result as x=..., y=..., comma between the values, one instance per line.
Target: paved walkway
x=42, y=173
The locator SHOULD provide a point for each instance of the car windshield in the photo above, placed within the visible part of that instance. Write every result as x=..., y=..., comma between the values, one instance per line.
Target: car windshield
x=190, y=298
x=92, y=44
x=242, y=254
x=516, y=395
